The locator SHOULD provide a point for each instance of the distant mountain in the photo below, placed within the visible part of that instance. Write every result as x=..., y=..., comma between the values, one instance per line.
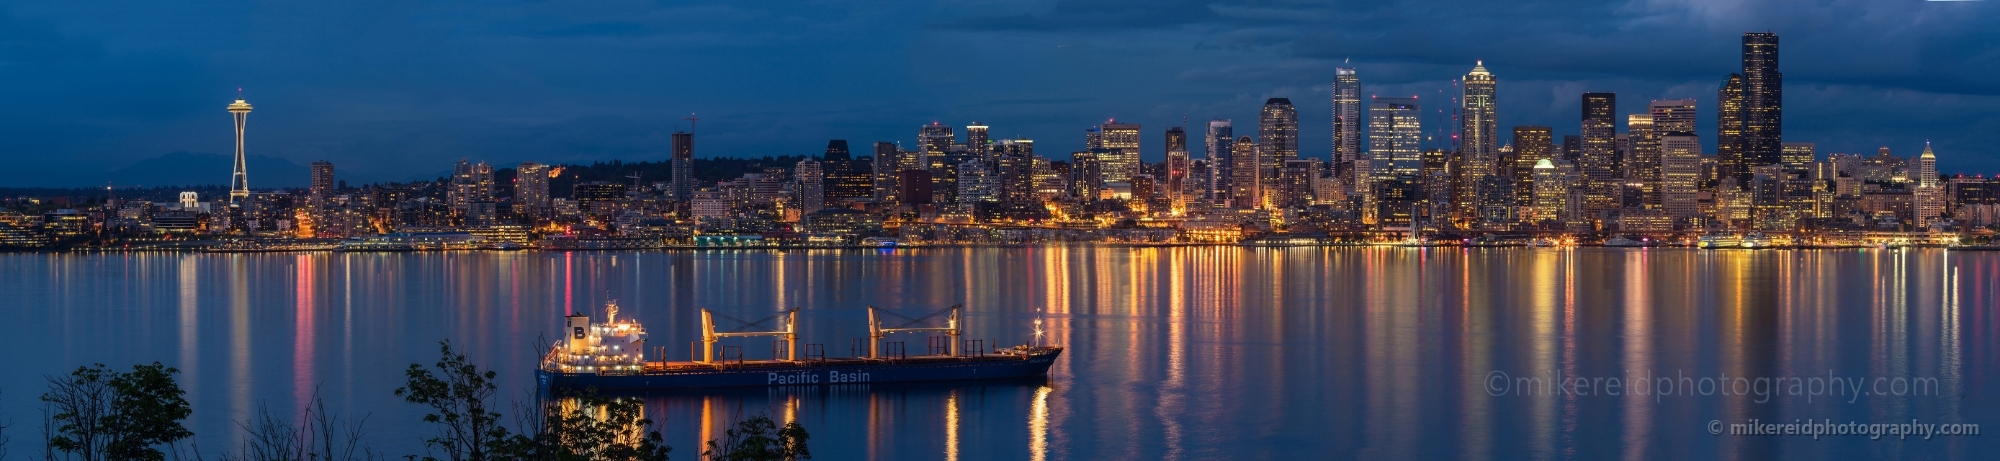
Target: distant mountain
x=188, y=168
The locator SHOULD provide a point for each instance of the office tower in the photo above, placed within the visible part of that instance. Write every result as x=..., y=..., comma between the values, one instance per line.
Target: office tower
x=1750, y=122
x=1531, y=145
x=1680, y=174
x=1479, y=143
x=1246, y=175
x=1643, y=165
x=1552, y=186
x=977, y=184
x=1295, y=183
x=977, y=142
x=809, y=186
x=1394, y=138
x=322, y=179
x=1347, y=123
x=1672, y=116
x=1572, y=148
x=1122, y=140
x=1220, y=136
x=933, y=141
x=531, y=190
x=1796, y=155
x=1086, y=173
x=239, y=182
x=1016, y=166
x=888, y=162
x=683, y=167
x=846, y=179
x=1596, y=159
x=1278, y=130
x=1177, y=169
x=1929, y=197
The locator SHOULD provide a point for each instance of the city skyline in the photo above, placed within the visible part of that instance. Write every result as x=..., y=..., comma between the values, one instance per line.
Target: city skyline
x=1849, y=95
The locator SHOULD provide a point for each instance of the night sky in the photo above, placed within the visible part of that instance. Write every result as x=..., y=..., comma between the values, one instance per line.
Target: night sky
x=397, y=90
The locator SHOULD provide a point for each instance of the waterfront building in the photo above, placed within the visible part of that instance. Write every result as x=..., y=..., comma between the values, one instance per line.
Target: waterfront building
x=531, y=190
x=1347, y=122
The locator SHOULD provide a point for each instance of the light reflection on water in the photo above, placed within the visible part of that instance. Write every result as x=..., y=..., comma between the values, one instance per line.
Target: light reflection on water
x=1176, y=353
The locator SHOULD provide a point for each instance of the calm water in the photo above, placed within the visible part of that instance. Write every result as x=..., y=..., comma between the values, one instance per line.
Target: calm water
x=1184, y=353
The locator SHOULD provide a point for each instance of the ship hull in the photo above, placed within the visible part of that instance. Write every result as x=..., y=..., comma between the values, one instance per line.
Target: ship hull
x=806, y=375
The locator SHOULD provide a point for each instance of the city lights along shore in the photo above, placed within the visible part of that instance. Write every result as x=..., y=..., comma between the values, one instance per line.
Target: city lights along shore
x=612, y=356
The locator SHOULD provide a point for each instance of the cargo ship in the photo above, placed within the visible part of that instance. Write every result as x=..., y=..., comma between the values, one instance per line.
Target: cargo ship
x=611, y=356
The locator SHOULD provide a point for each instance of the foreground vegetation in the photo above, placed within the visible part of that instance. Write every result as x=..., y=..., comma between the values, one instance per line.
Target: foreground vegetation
x=96, y=413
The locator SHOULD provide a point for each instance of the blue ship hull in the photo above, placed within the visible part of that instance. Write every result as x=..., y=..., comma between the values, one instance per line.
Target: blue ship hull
x=808, y=375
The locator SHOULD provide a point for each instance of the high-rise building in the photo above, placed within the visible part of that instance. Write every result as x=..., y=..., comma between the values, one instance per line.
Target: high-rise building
x=1086, y=173
x=1246, y=182
x=1597, y=161
x=1220, y=137
x=1531, y=145
x=1552, y=191
x=1278, y=131
x=1347, y=121
x=1643, y=166
x=846, y=179
x=934, y=140
x=1680, y=174
x=809, y=186
x=470, y=183
x=1479, y=137
x=888, y=162
x=322, y=179
x=683, y=167
x=977, y=141
x=1797, y=155
x=1750, y=122
x=531, y=190
x=1016, y=168
x=1122, y=139
x=1395, y=138
x=239, y=182
x=1929, y=196
x=1177, y=169
x=977, y=184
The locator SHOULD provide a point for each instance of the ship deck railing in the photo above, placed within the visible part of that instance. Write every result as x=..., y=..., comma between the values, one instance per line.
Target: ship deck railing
x=733, y=364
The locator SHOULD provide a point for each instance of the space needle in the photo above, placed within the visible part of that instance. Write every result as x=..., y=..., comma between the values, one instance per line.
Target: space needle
x=239, y=184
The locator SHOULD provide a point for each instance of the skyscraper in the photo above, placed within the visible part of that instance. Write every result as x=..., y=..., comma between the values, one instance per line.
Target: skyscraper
x=845, y=179
x=933, y=141
x=1278, y=133
x=1395, y=138
x=1122, y=139
x=1479, y=134
x=1531, y=144
x=1642, y=166
x=683, y=167
x=1750, y=122
x=239, y=183
x=1220, y=137
x=1016, y=167
x=322, y=179
x=1597, y=158
x=977, y=142
x=1347, y=121
x=1680, y=173
x=470, y=183
x=1177, y=169
x=1246, y=182
x=808, y=186
x=1929, y=197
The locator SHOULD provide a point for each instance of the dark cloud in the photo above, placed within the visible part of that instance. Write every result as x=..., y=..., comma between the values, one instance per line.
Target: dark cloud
x=386, y=88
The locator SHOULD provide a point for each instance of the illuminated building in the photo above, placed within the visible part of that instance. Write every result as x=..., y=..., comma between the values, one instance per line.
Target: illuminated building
x=1751, y=113
x=1680, y=174
x=933, y=140
x=809, y=186
x=1928, y=197
x=1278, y=138
x=976, y=140
x=1295, y=183
x=977, y=183
x=1597, y=161
x=1246, y=182
x=888, y=162
x=1796, y=155
x=1643, y=167
x=1347, y=123
x=1016, y=168
x=1552, y=191
x=1121, y=140
x=846, y=179
x=531, y=190
x=1086, y=174
x=1479, y=138
x=1220, y=138
x=322, y=178
x=1394, y=138
x=1531, y=145
x=470, y=182
x=1177, y=165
